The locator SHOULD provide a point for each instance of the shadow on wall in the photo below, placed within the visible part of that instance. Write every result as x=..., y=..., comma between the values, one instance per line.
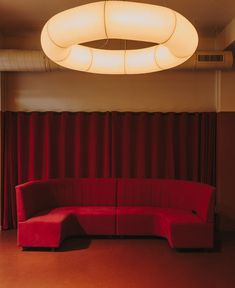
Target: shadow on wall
x=225, y=222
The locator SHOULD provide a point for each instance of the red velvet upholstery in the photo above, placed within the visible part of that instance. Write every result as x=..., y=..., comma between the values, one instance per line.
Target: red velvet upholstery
x=51, y=210
x=181, y=211
x=35, y=196
x=167, y=193
x=49, y=228
x=50, y=202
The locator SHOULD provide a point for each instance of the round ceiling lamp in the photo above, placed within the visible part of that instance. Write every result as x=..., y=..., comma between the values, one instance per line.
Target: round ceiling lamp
x=174, y=36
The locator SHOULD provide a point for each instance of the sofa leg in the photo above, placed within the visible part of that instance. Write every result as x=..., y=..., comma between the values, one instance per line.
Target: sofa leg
x=53, y=249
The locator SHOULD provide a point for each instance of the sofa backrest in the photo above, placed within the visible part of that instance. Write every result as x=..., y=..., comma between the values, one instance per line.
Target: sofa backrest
x=36, y=196
x=32, y=197
x=138, y=192
x=194, y=196
x=188, y=195
x=85, y=192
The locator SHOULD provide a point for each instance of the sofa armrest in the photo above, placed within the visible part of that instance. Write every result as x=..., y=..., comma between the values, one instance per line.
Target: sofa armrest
x=31, y=198
x=198, y=197
x=203, y=202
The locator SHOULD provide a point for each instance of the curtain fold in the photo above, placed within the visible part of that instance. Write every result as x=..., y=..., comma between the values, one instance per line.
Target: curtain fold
x=52, y=145
x=164, y=145
x=42, y=145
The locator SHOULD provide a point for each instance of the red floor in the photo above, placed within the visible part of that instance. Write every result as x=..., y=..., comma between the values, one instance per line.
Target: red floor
x=111, y=263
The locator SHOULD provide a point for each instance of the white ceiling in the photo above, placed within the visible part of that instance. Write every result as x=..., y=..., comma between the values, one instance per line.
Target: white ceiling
x=208, y=16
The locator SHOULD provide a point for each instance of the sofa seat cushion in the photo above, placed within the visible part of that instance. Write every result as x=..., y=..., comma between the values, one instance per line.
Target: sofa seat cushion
x=78, y=210
x=46, y=230
x=57, y=215
x=183, y=229
x=92, y=220
x=164, y=218
x=186, y=229
x=49, y=216
x=50, y=227
x=151, y=220
x=173, y=215
x=135, y=220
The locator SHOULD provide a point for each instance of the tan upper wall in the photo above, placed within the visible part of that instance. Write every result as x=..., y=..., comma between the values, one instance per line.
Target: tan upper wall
x=76, y=91
x=227, y=99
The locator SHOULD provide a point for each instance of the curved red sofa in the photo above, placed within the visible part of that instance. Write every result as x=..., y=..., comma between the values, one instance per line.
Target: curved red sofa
x=51, y=210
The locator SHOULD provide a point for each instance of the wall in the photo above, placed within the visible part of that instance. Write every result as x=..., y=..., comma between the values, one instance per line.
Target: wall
x=227, y=103
x=226, y=151
x=0, y=147
x=225, y=169
x=2, y=106
x=77, y=91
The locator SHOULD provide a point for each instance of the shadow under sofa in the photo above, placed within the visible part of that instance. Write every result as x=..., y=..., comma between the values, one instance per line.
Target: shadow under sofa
x=51, y=210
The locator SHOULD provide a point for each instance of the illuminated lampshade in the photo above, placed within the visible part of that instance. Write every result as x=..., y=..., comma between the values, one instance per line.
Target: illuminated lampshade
x=175, y=37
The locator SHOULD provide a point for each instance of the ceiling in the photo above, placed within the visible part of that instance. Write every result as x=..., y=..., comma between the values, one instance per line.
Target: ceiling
x=208, y=16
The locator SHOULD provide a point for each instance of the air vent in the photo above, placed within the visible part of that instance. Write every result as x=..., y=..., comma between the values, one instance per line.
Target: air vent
x=210, y=58
x=217, y=60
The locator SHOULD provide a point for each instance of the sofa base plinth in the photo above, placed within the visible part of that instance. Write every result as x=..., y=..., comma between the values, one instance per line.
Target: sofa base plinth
x=118, y=237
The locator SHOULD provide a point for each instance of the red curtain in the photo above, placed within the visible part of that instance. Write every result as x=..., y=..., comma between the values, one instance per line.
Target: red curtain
x=112, y=144
x=52, y=145
x=164, y=145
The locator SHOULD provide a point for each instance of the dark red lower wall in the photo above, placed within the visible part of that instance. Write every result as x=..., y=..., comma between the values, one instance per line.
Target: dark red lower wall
x=226, y=170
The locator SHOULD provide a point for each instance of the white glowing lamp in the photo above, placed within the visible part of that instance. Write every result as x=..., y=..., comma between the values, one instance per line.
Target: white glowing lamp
x=175, y=37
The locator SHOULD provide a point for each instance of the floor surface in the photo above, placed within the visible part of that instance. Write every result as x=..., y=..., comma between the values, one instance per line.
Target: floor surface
x=111, y=263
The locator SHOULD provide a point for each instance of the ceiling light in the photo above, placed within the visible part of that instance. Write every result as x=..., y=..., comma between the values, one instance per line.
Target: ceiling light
x=174, y=36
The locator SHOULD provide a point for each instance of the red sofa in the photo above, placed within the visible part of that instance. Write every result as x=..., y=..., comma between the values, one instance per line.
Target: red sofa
x=51, y=210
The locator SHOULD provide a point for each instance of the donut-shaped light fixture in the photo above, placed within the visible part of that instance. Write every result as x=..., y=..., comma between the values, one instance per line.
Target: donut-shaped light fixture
x=175, y=37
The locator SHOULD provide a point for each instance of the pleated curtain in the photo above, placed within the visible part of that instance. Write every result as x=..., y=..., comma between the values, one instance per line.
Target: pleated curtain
x=42, y=145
